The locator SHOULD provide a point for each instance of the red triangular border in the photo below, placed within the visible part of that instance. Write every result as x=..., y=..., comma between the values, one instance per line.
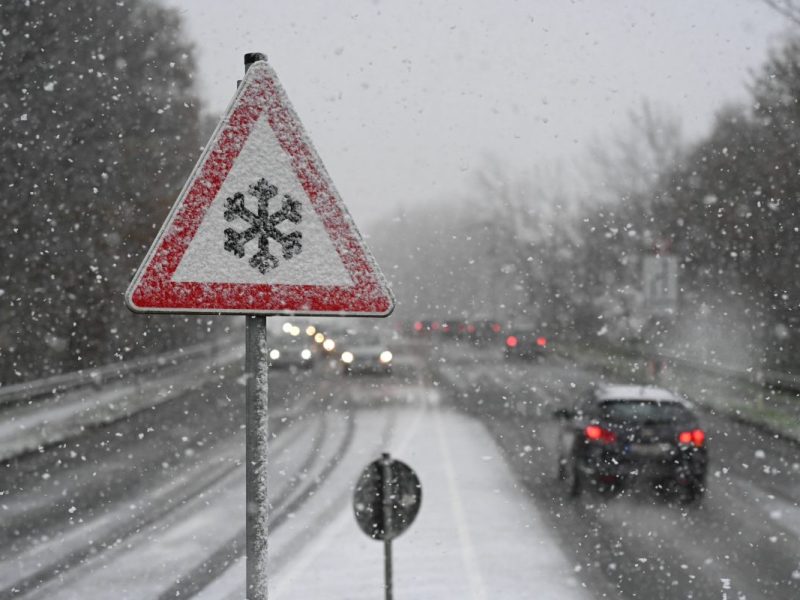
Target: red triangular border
x=153, y=290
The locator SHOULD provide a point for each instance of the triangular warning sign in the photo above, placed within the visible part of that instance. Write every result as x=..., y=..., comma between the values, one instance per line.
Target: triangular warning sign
x=259, y=227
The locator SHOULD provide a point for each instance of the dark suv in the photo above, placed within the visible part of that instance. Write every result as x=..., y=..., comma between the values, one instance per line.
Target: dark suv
x=625, y=433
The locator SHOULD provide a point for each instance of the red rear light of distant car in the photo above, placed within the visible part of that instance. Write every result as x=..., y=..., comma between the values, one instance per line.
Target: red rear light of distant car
x=598, y=434
x=696, y=437
x=470, y=328
x=435, y=326
x=541, y=342
x=496, y=327
x=418, y=326
x=511, y=341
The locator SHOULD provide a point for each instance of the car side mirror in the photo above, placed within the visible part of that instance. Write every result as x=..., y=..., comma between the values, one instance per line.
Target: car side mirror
x=566, y=414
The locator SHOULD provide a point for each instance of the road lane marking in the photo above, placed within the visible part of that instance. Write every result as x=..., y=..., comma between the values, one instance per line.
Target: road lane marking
x=476, y=584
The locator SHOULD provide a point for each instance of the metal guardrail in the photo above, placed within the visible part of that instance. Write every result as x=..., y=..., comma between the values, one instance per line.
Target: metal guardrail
x=51, y=386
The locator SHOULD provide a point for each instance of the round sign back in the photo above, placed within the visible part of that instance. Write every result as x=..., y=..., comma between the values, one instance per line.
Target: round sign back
x=387, y=498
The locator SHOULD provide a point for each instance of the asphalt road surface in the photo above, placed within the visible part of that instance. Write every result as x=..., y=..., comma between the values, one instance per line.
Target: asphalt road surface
x=742, y=541
x=89, y=511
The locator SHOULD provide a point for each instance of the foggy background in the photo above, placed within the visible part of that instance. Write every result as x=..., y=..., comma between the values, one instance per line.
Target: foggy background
x=515, y=161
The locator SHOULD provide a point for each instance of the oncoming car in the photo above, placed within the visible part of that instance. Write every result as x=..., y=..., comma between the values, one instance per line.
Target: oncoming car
x=621, y=434
x=291, y=353
x=366, y=353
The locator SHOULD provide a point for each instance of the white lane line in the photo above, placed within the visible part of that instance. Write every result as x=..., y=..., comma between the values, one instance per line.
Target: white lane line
x=476, y=585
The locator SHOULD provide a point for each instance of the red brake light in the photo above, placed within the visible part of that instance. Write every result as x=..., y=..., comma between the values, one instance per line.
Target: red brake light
x=696, y=437
x=435, y=326
x=470, y=328
x=597, y=433
x=511, y=341
x=541, y=341
x=418, y=326
x=496, y=327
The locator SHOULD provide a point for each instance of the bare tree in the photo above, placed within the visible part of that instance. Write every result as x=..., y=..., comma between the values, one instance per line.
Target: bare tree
x=788, y=8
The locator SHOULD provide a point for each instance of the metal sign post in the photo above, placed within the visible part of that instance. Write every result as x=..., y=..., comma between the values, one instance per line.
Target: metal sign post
x=256, y=436
x=386, y=472
x=256, y=417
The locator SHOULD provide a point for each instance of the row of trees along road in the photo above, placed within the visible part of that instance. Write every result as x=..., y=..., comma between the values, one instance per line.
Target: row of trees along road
x=99, y=126
x=725, y=205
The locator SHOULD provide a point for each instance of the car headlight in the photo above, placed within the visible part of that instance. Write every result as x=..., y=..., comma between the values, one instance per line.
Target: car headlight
x=305, y=354
x=386, y=357
x=347, y=357
x=274, y=354
x=329, y=344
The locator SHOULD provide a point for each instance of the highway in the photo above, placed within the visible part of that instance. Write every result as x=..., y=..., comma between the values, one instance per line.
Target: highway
x=151, y=504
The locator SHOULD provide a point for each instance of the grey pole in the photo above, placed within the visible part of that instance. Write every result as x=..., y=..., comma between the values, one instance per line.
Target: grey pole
x=256, y=435
x=386, y=472
x=256, y=431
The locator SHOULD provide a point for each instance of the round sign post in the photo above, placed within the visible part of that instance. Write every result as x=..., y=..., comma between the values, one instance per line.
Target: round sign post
x=386, y=501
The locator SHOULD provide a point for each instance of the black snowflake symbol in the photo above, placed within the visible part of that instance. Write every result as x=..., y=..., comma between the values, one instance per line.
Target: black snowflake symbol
x=263, y=225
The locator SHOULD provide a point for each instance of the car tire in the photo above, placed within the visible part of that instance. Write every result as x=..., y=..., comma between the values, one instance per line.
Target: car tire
x=692, y=493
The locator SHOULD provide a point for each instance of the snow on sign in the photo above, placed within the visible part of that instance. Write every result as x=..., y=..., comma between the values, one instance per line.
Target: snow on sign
x=259, y=227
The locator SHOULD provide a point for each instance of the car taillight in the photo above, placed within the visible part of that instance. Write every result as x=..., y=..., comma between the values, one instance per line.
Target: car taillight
x=511, y=341
x=418, y=326
x=695, y=437
x=496, y=327
x=598, y=434
x=541, y=342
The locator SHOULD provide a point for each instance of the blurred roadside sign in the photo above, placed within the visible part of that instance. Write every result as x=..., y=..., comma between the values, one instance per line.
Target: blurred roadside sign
x=660, y=284
x=385, y=502
x=259, y=227
x=387, y=498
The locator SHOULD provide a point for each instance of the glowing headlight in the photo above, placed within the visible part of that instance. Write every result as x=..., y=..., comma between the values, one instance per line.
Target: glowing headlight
x=319, y=338
x=311, y=330
x=294, y=331
x=274, y=354
x=386, y=357
x=329, y=344
x=305, y=354
x=347, y=357
x=287, y=327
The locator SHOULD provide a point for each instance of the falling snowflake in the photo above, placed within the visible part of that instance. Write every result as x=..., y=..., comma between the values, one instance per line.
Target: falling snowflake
x=263, y=225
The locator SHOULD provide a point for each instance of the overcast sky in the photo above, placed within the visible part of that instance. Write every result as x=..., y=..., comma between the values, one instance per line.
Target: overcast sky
x=405, y=99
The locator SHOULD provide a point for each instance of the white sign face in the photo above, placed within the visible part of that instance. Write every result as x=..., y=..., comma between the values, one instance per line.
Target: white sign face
x=259, y=227
x=660, y=284
x=317, y=264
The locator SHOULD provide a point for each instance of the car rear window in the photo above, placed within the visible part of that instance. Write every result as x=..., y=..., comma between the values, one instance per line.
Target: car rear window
x=645, y=411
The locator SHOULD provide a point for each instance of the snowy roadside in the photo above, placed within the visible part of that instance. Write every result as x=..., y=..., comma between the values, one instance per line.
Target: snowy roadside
x=474, y=517
x=773, y=411
x=28, y=427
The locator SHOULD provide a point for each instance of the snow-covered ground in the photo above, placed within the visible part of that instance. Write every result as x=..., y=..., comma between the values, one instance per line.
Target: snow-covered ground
x=477, y=535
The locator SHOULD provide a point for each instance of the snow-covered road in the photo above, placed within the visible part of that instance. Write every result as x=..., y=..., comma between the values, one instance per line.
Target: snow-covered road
x=151, y=505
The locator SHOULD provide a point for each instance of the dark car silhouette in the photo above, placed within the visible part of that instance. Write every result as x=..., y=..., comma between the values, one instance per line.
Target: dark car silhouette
x=622, y=434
